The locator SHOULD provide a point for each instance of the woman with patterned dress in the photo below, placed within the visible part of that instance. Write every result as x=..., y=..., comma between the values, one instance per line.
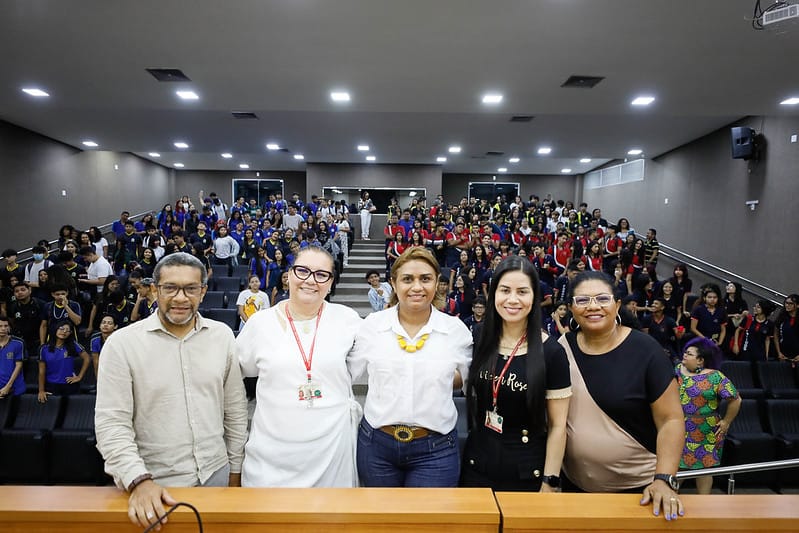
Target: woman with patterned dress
x=702, y=389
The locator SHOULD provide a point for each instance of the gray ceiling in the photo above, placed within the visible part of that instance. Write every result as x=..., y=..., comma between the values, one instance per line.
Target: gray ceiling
x=416, y=70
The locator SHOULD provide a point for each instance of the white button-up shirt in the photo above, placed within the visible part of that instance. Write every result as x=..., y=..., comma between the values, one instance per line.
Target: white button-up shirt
x=411, y=388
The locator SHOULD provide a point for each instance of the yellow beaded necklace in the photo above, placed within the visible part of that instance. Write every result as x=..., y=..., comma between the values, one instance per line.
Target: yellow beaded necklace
x=410, y=348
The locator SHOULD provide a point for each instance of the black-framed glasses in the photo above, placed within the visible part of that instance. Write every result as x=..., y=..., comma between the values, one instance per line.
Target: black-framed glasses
x=319, y=276
x=171, y=290
x=602, y=300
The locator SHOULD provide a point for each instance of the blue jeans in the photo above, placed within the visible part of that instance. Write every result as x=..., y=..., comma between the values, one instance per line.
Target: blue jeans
x=430, y=461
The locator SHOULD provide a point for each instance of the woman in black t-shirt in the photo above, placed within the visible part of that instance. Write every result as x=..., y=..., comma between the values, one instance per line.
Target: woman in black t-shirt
x=518, y=390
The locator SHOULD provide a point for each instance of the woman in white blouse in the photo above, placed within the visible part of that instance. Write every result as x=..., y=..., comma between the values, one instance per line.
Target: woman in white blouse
x=415, y=356
x=304, y=426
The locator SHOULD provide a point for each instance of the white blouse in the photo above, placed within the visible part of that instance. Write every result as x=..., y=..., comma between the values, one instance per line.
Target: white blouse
x=414, y=389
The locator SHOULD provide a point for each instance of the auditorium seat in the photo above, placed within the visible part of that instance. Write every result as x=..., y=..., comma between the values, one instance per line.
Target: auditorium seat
x=747, y=442
x=213, y=300
x=242, y=272
x=226, y=284
x=741, y=375
x=24, y=446
x=88, y=385
x=777, y=378
x=73, y=454
x=30, y=373
x=8, y=407
x=783, y=418
x=228, y=316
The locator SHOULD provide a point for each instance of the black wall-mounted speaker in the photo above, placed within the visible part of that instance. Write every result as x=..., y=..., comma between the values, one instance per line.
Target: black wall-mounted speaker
x=743, y=143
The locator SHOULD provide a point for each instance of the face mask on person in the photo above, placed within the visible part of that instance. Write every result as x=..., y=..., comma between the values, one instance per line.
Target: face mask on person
x=38, y=257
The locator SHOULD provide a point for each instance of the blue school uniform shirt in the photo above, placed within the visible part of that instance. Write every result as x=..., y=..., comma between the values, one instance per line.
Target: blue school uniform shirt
x=59, y=366
x=12, y=352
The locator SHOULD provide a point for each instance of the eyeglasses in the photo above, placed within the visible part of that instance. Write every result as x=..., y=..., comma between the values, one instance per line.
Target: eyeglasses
x=790, y=302
x=319, y=276
x=171, y=290
x=602, y=300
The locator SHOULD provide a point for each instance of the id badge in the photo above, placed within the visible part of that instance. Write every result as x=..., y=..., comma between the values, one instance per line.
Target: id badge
x=308, y=392
x=494, y=421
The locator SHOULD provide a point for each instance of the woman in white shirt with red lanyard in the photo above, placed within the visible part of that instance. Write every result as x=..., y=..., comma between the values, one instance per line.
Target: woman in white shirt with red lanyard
x=303, y=429
x=415, y=356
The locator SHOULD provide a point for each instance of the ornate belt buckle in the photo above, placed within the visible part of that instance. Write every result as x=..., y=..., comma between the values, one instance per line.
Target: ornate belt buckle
x=403, y=433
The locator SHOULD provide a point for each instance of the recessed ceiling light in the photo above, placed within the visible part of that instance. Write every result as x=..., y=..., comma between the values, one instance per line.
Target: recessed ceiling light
x=502, y=169
x=371, y=158
x=454, y=149
x=565, y=170
x=544, y=150
x=181, y=144
x=363, y=147
x=272, y=146
x=441, y=159
x=299, y=157
x=635, y=151
x=585, y=160
x=227, y=155
x=245, y=166
x=179, y=165
x=492, y=98
x=154, y=154
x=340, y=96
x=90, y=144
x=34, y=91
x=643, y=100
x=187, y=95
x=790, y=101
x=514, y=160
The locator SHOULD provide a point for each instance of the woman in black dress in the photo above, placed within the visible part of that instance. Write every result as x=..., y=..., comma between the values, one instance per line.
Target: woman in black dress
x=518, y=390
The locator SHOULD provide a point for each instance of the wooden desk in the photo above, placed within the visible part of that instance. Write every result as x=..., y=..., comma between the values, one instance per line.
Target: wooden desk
x=240, y=510
x=616, y=513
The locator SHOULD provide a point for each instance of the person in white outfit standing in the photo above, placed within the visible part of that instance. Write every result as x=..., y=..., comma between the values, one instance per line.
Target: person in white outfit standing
x=366, y=207
x=305, y=421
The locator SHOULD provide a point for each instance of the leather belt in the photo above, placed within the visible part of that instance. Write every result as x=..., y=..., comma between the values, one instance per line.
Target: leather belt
x=405, y=433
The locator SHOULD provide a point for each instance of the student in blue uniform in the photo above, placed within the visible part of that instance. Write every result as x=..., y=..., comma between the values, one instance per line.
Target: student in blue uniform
x=57, y=363
x=12, y=351
x=107, y=326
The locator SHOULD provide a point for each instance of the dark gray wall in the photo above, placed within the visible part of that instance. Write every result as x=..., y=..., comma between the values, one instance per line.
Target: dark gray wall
x=560, y=187
x=706, y=215
x=35, y=170
x=191, y=182
x=373, y=176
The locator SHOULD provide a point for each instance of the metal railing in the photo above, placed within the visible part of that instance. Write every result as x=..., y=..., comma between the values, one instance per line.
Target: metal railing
x=737, y=469
x=722, y=274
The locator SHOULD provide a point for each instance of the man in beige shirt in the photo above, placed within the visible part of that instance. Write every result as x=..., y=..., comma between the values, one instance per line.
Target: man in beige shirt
x=171, y=407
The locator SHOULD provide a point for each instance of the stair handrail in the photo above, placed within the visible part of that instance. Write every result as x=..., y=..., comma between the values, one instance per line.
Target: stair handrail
x=737, y=469
x=695, y=262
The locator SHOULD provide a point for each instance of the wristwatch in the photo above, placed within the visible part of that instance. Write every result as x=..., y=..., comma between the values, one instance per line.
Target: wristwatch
x=552, y=481
x=670, y=480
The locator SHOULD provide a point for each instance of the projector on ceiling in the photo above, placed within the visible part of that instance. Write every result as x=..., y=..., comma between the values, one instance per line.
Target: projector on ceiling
x=780, y=15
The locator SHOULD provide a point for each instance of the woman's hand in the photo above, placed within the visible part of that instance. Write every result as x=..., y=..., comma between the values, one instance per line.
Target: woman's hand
x=42, y=396
x=73, y=379
x=662, y=497
x=721, y=429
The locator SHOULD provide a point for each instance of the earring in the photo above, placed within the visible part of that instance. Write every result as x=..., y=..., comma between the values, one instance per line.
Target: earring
x=573, y=325
x=618, y=319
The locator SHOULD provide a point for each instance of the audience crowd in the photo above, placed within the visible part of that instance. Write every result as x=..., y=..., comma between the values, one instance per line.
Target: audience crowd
x=78, y=291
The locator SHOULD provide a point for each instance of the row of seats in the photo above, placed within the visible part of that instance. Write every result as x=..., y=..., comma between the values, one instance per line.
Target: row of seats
x=764, y=430
x=52, y=442
x=763, y=379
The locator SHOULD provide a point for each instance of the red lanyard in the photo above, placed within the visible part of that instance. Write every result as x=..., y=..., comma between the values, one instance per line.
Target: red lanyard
x=307, y=359
x=498, y=379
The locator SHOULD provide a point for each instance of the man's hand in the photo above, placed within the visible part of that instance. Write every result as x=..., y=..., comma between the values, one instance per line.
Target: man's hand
x=145, y=505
